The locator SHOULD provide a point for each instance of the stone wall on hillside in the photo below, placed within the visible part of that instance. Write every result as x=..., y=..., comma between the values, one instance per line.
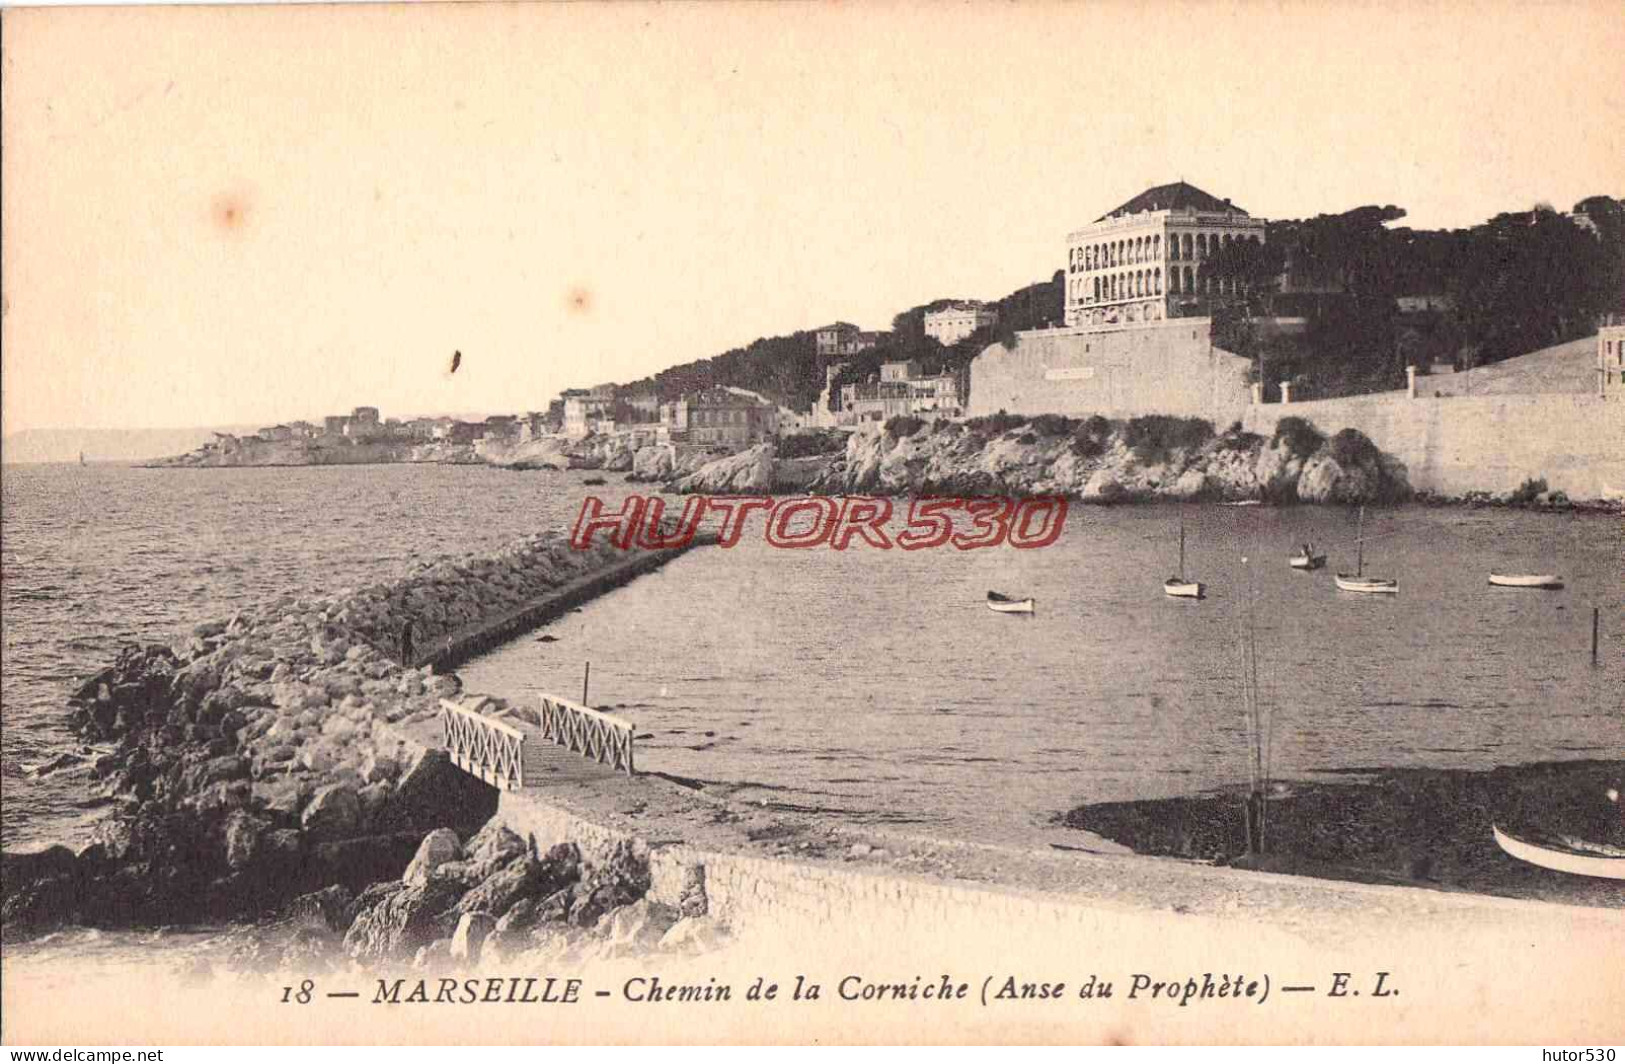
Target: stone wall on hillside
x=1168, y=368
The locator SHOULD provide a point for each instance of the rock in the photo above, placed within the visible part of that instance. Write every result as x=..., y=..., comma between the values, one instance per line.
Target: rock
x=748, y=472
x=242, y=836
x=326, y=908
x=515, y=880
x=496, y=843
x=334, y=811
x=692, y=935
x=472, y=929
x=438, y=847
x=639, y=927
x=18, y=869
x=398, y=923
x=522, y=915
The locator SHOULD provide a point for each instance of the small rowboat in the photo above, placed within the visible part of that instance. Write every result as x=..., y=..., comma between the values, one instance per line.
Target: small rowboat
x=1566, y=855
x=1369, y=585
x=1549, y=581
x=1004, y=604
x=1306, y=561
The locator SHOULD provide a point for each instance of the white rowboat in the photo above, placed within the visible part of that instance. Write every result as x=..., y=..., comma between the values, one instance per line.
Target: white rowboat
x=1001, y=604
x=1369, y=585
x=1562, y=858
x=1544, y=580
x=1306, y=561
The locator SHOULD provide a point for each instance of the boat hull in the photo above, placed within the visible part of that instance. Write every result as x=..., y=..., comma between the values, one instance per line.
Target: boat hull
x=1367, y=585
x=1546, y=581
x=1183, y=589
x=1299, y=561
x=1574, y=862
x=1017, y=606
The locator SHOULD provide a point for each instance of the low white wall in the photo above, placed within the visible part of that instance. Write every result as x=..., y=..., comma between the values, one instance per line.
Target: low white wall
x=1493, y=443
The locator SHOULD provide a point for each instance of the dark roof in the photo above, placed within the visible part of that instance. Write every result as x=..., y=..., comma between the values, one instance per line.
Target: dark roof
x=1175, y=197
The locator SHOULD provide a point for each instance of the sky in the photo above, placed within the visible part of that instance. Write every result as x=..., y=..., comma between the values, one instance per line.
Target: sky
x=252, y=215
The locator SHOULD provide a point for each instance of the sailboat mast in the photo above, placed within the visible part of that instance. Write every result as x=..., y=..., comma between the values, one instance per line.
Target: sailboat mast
x=1359, y=538
x=1181, y=550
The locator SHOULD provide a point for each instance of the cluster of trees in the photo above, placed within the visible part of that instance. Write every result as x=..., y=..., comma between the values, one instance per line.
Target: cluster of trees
x=1514, y=284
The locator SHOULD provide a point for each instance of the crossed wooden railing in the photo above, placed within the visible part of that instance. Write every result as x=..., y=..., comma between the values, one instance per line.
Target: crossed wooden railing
x=489, y=749
x=596, y=736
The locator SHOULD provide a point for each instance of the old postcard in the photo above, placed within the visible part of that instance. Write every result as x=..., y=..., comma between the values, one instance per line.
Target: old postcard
x=718, y=523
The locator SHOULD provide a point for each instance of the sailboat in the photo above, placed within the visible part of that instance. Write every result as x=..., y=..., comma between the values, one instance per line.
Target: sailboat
x=1370, y=585
x=1178, y=586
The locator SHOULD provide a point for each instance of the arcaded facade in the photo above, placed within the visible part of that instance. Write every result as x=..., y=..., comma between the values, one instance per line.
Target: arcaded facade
x=1143, y=261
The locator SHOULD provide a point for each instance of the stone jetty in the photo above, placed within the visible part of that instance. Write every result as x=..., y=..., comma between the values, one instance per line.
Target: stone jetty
x=264, y=756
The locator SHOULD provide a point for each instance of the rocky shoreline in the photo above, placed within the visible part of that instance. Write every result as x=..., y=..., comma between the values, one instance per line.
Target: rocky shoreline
x=1093, y=460
x=261, y=757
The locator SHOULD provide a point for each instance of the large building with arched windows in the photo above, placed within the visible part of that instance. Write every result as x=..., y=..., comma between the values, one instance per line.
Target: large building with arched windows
x=1143, y=261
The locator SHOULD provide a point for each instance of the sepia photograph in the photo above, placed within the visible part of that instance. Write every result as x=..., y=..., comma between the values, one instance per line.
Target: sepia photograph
x=536, y=524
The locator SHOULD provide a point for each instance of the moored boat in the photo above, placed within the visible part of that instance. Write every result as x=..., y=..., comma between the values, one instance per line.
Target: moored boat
x=1370, y=585
x=1359, y=582
x=1178, y=586
x=1549, y=581
x=1301, y=560
x=1005, y=604
x=1564, y=855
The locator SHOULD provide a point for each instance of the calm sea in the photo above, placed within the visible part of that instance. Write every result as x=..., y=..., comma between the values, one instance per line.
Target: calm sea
x=874, y=685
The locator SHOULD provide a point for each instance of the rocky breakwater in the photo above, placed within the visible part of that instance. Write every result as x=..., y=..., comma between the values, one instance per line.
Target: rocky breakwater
x=485, y=897
x=260, y=756
x=1095, y=460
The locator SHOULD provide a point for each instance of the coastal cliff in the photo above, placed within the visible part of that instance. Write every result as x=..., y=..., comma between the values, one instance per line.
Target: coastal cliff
x=1094, y=460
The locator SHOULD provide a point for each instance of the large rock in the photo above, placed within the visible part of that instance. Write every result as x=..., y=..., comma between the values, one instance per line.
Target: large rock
x=746, y=473
x=334, y=812
x=519, y=878
x=472, y=930
x=398, y=922
x=438, y=847
x=496, y=842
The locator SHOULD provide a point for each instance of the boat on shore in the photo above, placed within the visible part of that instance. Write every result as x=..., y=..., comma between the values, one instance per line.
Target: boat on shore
x=1005, y=604
x=1564, y=854
x=1359, y=582
x=1548, y=581
x=1178, y=586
